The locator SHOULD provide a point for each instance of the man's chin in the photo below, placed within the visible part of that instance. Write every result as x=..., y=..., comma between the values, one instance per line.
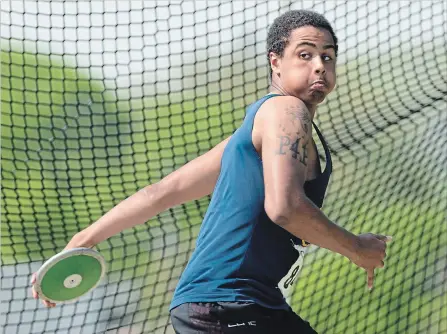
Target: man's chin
x=316, y=97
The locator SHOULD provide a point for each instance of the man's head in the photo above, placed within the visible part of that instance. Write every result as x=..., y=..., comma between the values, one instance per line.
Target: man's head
x=302, y=50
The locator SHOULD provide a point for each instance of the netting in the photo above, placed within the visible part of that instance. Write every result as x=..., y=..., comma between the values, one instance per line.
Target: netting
x=100, y=99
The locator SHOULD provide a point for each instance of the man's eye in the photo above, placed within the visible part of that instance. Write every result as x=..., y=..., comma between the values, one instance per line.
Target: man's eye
x=304, y=55
x=327, y=58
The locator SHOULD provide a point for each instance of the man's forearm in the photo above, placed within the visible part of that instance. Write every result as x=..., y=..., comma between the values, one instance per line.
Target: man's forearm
x=134, y=210
x=309, y=223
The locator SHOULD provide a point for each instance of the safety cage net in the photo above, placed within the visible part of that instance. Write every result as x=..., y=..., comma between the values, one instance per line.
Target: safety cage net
x=101, y=98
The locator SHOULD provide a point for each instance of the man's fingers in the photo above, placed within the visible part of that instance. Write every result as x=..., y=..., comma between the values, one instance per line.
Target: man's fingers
x=33, y=290
x=48, y=304
x=385, y=238
x=370, y=278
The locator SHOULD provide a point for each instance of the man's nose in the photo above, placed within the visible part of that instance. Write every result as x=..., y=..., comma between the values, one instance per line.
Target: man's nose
x=319, y=66
x=322, y=71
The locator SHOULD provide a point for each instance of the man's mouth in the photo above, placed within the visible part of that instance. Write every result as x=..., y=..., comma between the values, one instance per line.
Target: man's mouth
x=319, y=85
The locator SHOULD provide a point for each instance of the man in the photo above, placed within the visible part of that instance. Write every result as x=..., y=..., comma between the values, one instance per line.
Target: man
x=267, y=188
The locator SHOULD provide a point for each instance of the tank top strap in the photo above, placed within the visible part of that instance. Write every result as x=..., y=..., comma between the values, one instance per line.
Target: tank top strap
x=327, y=152
x=253, y=108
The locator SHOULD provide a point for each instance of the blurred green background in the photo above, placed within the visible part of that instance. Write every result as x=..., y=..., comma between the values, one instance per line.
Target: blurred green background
x=70, y=152
x=72, y=148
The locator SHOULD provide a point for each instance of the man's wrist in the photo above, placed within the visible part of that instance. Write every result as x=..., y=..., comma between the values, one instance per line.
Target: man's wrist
x=81, y=239
x=351, y=247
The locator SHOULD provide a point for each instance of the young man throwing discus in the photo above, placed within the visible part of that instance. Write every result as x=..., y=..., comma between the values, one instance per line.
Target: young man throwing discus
x=267, y=190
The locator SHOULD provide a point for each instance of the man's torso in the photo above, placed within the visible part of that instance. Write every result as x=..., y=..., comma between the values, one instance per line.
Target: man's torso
x=241, y=255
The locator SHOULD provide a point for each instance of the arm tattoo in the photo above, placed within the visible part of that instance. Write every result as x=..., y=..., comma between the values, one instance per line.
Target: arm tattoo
x=295, y=144
x=297, y=115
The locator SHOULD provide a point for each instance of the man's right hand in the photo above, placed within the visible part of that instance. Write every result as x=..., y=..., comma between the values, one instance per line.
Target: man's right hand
x=76, y=241
x=370, y=254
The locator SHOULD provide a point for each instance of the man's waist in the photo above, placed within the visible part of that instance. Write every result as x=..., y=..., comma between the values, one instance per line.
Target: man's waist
x=230, y=290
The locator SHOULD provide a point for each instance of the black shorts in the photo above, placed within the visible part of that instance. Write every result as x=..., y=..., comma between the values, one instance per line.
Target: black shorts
x=237, y=318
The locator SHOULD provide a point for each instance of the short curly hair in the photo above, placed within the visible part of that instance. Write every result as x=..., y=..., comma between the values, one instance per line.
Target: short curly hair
x=279, y=33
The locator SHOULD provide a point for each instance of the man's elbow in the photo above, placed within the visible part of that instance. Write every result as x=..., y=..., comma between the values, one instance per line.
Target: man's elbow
x=282, y=212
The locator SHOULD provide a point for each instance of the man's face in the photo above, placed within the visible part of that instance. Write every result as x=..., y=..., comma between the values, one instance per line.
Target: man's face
x=307, y=68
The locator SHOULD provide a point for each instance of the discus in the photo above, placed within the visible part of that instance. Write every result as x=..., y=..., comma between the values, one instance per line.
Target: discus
x=69, y=275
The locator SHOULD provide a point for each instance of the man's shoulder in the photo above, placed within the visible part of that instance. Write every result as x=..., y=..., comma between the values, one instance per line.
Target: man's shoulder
x=281, y=105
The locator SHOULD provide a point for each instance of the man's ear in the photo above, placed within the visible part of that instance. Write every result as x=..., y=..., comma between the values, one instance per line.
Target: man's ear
x=275, y=62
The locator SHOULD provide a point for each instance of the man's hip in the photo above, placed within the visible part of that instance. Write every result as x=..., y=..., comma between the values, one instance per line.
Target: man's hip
x=235, y=318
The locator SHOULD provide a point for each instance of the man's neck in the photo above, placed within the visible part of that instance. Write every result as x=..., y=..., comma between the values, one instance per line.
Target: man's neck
x=273, y=89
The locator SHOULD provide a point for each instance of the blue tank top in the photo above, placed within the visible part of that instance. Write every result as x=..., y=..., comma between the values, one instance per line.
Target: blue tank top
x=240, y=254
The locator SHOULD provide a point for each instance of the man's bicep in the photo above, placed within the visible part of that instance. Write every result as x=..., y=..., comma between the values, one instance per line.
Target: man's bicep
x=285, y=141
x=197, y=178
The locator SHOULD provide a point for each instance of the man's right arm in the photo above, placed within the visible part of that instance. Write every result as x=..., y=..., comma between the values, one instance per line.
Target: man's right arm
x=192, y=181
x=286, y=136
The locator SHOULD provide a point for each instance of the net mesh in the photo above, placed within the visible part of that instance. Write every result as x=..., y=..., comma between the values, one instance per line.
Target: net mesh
x=100, y=99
